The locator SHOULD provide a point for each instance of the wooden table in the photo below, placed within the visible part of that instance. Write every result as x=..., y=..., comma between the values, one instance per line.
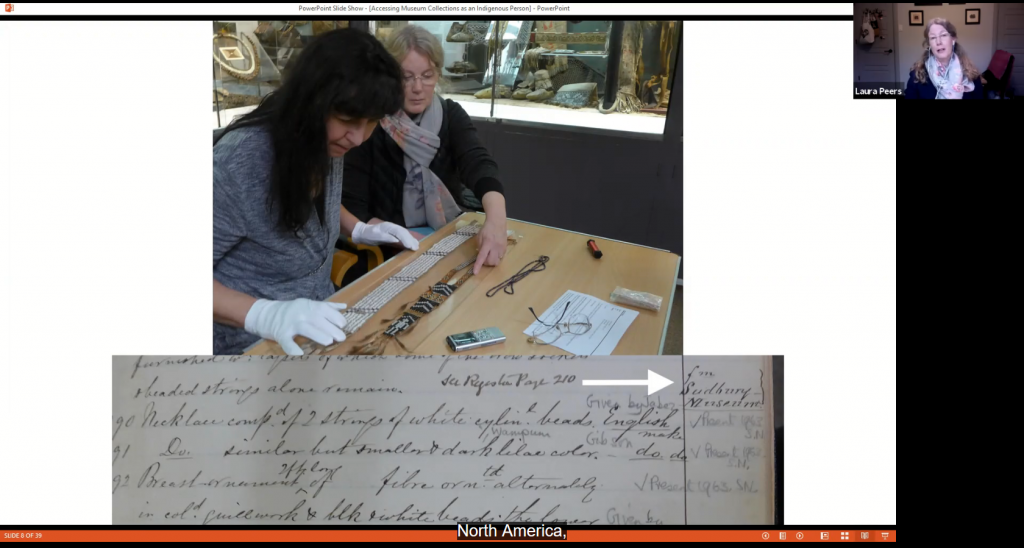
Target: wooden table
x=571, y=267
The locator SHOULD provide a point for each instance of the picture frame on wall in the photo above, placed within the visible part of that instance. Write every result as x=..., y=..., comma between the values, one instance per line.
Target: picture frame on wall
x=972, y=16
x=917, y=18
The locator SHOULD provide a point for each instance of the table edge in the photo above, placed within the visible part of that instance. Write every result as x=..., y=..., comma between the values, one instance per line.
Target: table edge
x=596, y=237
x=668, y=313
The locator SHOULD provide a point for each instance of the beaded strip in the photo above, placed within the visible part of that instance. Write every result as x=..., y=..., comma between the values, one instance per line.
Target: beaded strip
x=357, y=315
x=430, y=300
x=434, y=297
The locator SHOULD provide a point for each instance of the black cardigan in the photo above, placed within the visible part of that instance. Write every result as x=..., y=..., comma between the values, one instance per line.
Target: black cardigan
x=375, y=171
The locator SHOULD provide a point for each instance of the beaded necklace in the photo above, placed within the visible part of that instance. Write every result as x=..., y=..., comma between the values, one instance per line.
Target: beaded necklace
x=254, y=57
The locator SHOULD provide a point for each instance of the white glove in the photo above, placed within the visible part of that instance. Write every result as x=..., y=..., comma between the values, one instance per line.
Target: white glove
x=383, y=233
x=282, y=320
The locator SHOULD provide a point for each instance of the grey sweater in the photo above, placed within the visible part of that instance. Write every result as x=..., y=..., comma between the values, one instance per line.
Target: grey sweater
x=251, y=252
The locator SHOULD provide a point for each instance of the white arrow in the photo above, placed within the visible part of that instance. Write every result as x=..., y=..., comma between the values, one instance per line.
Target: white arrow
x=654, y=382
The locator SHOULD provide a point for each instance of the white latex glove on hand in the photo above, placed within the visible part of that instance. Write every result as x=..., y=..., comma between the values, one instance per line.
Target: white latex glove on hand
x=383, y=233
x=282, y=320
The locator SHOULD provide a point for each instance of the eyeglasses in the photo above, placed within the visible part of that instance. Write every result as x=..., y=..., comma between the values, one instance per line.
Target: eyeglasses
x=426, y=79
x=577, y=324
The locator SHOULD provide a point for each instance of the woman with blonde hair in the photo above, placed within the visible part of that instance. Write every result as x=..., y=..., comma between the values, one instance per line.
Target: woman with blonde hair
x=413, y=171
x=944, y=70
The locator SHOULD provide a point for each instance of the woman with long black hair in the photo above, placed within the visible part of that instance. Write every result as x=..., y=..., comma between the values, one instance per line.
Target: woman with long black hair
x=277, y=177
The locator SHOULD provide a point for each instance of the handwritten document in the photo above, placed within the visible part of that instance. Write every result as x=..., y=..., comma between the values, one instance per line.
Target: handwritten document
x=326, y=440
x=729, y=439
x=608, y=323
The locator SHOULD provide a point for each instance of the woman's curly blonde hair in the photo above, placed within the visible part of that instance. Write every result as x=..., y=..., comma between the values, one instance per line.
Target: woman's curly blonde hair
x=921, y=70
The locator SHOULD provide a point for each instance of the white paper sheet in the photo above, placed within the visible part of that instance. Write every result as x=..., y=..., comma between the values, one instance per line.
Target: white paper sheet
x=398, y=440
x=609, y=322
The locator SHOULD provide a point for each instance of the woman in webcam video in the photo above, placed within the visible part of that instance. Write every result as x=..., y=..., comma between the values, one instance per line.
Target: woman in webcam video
x=944, y=70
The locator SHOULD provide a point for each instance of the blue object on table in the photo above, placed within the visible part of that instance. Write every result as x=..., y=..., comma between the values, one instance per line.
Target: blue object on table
x=424, y=230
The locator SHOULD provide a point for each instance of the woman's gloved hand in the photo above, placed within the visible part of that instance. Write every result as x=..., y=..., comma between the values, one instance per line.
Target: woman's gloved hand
x=280, y=321
x=383, y=233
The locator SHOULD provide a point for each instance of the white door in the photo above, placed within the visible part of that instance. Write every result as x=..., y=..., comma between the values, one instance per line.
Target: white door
x=876, y=63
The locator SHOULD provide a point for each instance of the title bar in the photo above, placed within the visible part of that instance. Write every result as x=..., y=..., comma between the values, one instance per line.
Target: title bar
x=432, y=9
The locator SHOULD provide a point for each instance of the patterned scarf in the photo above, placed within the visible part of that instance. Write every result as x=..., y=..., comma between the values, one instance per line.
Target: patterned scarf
x=425, y=201
x=949, y=81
